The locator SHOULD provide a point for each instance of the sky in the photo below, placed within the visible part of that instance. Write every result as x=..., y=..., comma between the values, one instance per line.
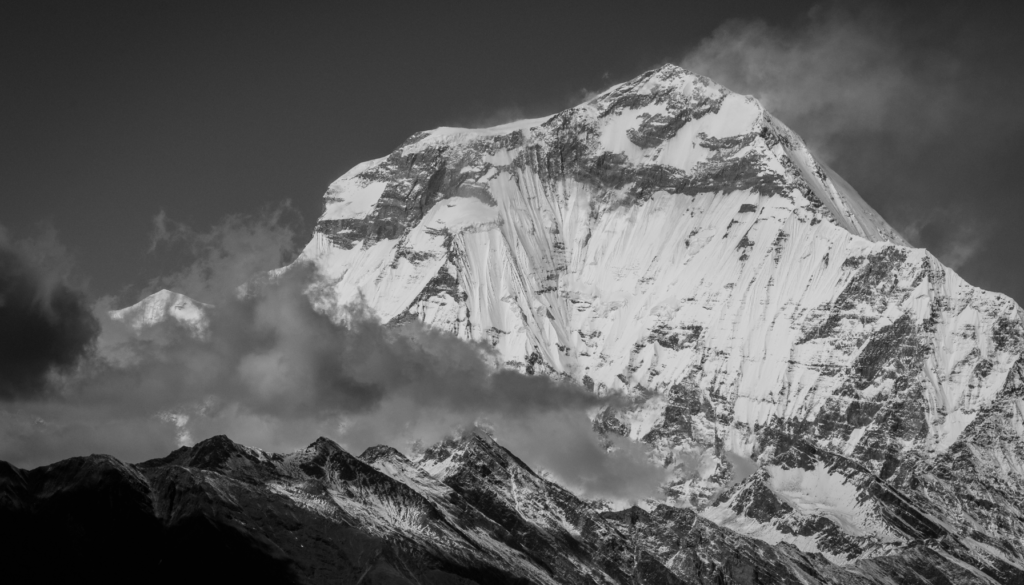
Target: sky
x=186, y=145
x=115, y=112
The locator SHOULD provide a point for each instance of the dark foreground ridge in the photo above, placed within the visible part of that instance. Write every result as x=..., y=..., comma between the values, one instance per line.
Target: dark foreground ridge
x=467, y=511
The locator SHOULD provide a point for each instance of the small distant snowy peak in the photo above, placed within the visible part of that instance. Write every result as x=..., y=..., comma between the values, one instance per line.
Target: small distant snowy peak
x=162, y=307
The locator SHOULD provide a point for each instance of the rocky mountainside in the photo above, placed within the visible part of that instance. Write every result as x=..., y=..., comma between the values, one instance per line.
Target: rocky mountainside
x=467, y=511
x=809, y=379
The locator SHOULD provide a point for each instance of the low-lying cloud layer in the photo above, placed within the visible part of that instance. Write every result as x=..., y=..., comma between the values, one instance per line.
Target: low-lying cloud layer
x=271, y=371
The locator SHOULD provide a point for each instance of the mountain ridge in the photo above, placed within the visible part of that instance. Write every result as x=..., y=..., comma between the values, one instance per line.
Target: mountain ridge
x=219, y=509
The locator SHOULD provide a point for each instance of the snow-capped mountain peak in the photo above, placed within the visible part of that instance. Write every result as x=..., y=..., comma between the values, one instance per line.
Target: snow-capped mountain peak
x=673, y=241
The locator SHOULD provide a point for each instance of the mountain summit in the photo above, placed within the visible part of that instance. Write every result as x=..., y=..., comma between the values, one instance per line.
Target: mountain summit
x=671, y=240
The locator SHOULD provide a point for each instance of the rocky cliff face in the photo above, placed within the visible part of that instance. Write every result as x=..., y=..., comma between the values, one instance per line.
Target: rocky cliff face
x=468, y=511
x=809, y=379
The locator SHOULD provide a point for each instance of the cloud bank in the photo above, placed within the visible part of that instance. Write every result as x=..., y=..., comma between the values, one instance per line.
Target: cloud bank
x=271, y=371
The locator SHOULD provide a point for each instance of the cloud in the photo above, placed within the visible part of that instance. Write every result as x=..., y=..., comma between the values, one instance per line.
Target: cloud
x=921, y=115
x=271, y=361
x=165, y=230
x=563, y=443
x=229, y=254
x=46, y=327
x=272, y=371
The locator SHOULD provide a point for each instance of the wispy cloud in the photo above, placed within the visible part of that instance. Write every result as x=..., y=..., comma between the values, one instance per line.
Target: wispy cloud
x=229, y=253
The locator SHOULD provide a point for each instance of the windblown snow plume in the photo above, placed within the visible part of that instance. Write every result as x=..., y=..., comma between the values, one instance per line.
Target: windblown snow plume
x=918, y=113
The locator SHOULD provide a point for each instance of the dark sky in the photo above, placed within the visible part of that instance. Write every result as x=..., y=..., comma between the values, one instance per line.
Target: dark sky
x=113, y=111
